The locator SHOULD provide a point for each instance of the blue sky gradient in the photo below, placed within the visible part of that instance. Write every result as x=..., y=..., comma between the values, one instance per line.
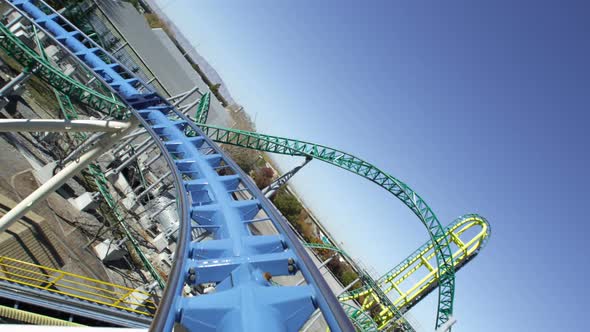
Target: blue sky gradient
x=479, y=107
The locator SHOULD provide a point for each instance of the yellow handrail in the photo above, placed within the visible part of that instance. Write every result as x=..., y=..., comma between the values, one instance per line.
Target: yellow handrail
x=76, y=286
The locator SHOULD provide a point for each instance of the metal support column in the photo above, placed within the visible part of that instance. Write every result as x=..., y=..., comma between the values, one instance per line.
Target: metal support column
x=324, y=263
x=9, y=87
x=122, y=46
x=129, y=160
x=283, y=179
x=153, y=185
x=65, y=174
x=349, y=286
x=13, y=22
x=183, y=96
x=187, y=108
x=447, y=325
x=58, y=125
x=8, y=12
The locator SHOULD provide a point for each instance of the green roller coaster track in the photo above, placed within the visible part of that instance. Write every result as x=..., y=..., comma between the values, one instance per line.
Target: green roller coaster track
x=391, y=312
x=359, y=317
x=327, y=247
x=285, y=146
x=273, y=144
x=368, y=282
x=203, y=108
x=426, y=247
x=27, y=57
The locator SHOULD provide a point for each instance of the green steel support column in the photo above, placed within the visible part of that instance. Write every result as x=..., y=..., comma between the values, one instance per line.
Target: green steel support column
x=203, y=108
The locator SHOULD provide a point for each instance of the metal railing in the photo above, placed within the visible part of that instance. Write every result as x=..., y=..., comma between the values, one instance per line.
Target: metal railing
x=172, y=138
x=76, y=286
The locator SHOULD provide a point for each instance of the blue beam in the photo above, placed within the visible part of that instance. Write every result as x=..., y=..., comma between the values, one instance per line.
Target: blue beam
x=244, y=300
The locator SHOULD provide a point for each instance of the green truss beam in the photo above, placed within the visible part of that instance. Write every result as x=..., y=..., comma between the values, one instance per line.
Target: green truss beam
x=359, y=317
x=291, y=147
x=274, y=144
x=203, y=108
x=27, y=57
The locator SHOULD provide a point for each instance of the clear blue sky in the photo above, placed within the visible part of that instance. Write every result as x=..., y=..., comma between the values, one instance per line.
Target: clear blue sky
x=479, y=106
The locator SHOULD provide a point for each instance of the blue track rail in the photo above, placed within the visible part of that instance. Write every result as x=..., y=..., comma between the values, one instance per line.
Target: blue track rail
x=235, y=260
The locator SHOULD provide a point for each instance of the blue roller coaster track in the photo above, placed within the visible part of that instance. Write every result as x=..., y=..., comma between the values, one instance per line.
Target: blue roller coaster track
x=235, y=260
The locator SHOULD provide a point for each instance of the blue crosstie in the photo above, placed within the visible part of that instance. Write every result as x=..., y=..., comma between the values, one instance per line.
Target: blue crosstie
x=235, y=260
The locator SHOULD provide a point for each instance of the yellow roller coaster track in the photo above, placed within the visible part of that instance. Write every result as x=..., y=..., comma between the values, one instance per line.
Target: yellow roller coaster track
x=473, y=226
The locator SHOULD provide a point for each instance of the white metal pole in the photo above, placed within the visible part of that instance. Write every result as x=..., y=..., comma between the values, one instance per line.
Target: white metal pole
x=152, y=186
x=314, y=316
x=272, y=188
x=89, y=141
x=13, y=22
x=185, y=97
x=133, y=134
x=447, y=325
x=58, y=125
x=348, y=287
x=129, y=160
x=119, y=48
x=180, y=95
x=66, y=173
x=187, y=108
x=11, y=85
x=302, y=280
x=148, y=163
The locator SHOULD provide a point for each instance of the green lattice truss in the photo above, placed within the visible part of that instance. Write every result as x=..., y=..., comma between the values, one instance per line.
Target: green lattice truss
x=97, y=100
x=291, y=147
x=203, y=108
x=360, y=318
x=27, y=57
